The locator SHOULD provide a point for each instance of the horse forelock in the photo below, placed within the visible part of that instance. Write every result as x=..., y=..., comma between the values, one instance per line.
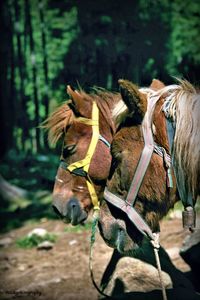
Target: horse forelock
x=119, y=112
x=56, y=123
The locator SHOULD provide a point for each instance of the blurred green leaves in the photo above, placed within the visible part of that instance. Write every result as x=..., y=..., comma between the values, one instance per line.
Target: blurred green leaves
x=183, y=44
x=34, y=240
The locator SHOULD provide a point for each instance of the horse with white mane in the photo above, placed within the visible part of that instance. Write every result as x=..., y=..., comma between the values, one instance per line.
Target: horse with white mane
x=182, y=110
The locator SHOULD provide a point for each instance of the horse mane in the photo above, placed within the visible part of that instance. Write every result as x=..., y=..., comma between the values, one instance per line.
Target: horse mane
x=120, y=112
x=185, y=108
x=186, y=86
x=63, y=116
x=182, y=106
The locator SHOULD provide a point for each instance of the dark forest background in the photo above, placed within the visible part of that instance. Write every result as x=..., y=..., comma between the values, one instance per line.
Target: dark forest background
x=45, y=45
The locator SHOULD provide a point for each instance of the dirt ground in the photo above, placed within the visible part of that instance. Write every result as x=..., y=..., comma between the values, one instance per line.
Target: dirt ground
x=62, y=273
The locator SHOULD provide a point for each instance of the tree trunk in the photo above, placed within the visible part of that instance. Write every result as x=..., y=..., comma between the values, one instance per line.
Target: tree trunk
x=34, y=74
x=6, y=58
x=22, y=115
x=45, y=64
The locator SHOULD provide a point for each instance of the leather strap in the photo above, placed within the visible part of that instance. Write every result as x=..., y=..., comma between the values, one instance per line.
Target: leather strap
x=146, y=153
x=127, y=204
x=170, y=133
x=129, y=210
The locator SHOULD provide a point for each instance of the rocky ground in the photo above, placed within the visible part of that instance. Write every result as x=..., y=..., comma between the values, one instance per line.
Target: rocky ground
x=62, y=272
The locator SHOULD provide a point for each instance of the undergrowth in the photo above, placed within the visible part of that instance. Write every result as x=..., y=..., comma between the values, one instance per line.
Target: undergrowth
x=34, y=240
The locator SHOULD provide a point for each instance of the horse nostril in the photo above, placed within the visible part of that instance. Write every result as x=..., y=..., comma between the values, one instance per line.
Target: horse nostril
x=77, y=214
x=73, y=210
x=69, y=211
x=73, y=205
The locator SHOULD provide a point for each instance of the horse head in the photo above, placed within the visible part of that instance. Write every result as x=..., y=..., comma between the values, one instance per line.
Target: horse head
x=86, y=127
x=154, y=198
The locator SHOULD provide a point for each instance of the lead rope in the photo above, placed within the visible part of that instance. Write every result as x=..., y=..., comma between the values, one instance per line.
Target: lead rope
x=92, y=241
x=155, y=243
x=156, y=246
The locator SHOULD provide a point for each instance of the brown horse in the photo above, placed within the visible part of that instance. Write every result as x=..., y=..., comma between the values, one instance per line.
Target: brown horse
x=153, y=201
x=75, y=124
x=154, y=198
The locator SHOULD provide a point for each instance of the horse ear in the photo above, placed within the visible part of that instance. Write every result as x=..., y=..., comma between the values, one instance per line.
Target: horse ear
x=133, y=98
x=79, y=103
x=157, y=85
x=77, y=98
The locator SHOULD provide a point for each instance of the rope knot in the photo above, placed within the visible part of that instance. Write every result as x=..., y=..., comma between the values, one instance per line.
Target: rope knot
x=155, y=242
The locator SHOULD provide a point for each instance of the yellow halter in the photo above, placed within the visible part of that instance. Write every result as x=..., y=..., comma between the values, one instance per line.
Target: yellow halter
x=85, y=163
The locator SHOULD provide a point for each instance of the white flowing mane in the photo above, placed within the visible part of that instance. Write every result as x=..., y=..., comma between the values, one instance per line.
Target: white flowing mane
x=182, y=106
x=119, y=112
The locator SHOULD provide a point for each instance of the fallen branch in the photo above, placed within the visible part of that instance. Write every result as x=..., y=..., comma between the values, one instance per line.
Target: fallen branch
x=10, y=192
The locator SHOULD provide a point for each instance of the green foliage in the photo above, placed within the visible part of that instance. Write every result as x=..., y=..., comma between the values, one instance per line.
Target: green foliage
x=60, y=29
x=94, y=44
x=183, y=45
x=35, y=174
x=31, y=172
x=149, y=67
x=34, y=240
x=61, y=33
x=152, y=9
x=106, y=19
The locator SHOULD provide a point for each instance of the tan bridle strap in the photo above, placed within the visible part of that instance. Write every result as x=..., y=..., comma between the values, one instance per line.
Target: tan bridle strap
x=131, y=213
x=146, y=153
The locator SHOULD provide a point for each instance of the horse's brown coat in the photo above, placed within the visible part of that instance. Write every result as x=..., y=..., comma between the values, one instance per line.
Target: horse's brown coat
x=154, y=198
x=62, y=124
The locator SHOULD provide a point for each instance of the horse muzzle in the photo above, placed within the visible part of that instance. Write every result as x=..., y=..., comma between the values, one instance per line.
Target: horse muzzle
x=69, y=211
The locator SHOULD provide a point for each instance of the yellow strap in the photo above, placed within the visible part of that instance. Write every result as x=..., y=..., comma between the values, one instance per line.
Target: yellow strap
x=93, y=195
x=79, y=164
x=85, y=163
x=95, y=137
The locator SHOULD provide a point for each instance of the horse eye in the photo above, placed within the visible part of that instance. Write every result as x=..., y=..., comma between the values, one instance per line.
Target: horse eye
x=69, y=150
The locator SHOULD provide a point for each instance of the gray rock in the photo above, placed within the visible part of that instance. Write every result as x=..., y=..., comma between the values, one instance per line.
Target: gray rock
x=5, y=242
x=136, y=275
x=190, y=241
x=46, y=245
x=41, y=232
